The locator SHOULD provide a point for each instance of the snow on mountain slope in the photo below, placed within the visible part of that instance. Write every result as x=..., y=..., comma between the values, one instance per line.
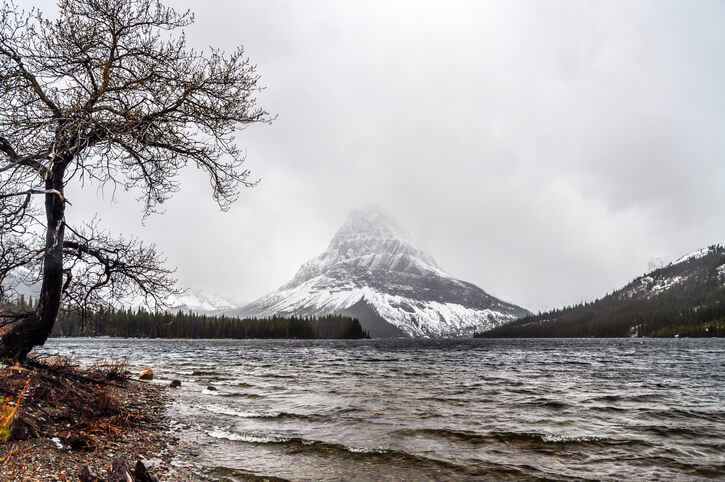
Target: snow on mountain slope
x=700, y=253
x=199, y=302
x=670, y=275
x=22, y=283
x=369, y=260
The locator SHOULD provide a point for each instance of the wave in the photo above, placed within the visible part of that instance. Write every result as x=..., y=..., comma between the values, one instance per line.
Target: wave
x=229, y=473
x=457, y=435
x=531, y=438
x=265, y=438
x=375, y=454
x=223, y=410
x=607, y=408
x=443, y=399
x=217, y=393
x=547, y=403
x=643, y=397
x=246, y=437
x=684, y=414
x=375, y=360
x=563, y=439
x=670, y=431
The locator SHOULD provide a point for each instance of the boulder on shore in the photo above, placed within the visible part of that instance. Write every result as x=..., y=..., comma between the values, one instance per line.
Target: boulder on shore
x=175, y=383
x=146, y=374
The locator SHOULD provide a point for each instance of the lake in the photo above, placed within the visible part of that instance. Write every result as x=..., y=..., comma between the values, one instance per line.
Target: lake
x=408, y=409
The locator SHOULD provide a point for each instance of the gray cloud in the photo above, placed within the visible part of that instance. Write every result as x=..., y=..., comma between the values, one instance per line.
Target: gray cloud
x=543, y=150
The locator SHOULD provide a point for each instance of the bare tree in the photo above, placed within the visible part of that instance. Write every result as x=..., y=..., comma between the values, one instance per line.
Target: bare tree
x=105, y=93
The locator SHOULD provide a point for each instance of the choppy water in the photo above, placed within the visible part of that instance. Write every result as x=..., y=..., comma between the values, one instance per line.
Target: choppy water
x=442, y=409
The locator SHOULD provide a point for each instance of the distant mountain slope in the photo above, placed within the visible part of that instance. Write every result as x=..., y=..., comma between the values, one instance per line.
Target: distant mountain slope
x=686, y=297
x=200, y=302
x=371, y=271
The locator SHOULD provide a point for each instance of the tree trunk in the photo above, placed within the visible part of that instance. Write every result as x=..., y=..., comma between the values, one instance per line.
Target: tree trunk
x=34, y=330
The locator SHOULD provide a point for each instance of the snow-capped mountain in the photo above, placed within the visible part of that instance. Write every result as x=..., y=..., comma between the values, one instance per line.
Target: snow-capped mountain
x=372, y=272
x=200, y=302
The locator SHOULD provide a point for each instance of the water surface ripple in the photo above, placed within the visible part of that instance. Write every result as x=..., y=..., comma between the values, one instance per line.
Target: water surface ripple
x=441, y=409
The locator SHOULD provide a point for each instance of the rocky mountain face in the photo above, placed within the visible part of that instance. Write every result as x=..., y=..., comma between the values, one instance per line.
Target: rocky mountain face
x=372, y=272
x=686, y=296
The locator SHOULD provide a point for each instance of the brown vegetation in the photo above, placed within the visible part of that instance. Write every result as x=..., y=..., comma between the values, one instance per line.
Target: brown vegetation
x=72, y=416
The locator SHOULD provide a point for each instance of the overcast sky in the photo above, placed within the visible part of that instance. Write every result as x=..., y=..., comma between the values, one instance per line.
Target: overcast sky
x=545, y=151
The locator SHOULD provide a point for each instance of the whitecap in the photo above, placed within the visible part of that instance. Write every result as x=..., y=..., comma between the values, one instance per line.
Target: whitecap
x=246, y=437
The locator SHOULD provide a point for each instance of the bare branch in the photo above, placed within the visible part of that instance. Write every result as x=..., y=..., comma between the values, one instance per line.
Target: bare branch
x=103, y=271
x=34, y=191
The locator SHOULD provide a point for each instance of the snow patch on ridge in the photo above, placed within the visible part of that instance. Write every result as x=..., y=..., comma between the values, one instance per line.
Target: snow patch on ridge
x=700, y=253
x=649, y=286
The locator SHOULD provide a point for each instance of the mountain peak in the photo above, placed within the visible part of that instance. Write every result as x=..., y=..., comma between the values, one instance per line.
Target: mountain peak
x=369, y=241
x=371, y=222
x=371, y=271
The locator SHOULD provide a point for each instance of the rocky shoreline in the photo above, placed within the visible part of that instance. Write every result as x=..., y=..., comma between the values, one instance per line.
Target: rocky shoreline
x=70, y=417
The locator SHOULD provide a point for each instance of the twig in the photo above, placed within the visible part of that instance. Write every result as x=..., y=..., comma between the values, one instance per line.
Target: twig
x=5, y=459
x=12, y=413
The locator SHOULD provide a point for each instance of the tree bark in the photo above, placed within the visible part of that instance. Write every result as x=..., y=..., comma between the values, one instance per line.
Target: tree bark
x=35, y=329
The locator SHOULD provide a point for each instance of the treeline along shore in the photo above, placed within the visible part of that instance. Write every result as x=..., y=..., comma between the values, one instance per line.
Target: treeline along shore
x=140, y=323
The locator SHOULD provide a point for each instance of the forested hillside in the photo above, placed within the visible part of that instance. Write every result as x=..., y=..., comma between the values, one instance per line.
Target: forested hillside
x=685, y=298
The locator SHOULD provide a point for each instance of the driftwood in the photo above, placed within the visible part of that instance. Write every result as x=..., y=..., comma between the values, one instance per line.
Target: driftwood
x=120, y=472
